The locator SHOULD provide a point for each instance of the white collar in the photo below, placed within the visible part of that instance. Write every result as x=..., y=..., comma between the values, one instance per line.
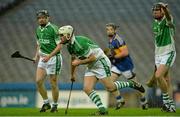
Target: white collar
x=46, y=25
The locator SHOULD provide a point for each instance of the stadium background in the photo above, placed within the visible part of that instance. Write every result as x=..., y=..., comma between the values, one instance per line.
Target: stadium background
x=18, y=24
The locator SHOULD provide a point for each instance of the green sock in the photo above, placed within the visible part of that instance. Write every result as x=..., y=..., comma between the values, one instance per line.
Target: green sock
x=96, y=99
x=120, y=84
x=165, y=97
x=171, y=102
x=55, y=104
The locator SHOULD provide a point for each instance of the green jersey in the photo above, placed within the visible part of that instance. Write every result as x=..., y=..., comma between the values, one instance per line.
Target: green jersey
x=164, y=36
x=47, y=38
x=81, y=47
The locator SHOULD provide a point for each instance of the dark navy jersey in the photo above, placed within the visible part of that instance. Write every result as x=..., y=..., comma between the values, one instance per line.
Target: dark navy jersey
x=125, y=63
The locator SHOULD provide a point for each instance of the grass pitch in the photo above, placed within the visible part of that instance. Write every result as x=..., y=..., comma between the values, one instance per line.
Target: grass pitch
x=85, y=112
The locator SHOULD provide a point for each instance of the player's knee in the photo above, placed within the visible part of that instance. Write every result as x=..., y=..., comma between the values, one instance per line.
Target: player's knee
x=158, y=75
x=167, y=79
x=54, y=84
x=87, y=90
x=39, y=83
x=111, y=89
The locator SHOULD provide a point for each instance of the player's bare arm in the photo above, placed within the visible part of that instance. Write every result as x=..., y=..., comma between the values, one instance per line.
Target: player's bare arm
x=54, y=52
x=89, y=59
x=123, y=52
x=36, y=57
x=166, y=11
x=167, y=14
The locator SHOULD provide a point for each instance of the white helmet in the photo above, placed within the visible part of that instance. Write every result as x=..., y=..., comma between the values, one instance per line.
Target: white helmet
x=66, y=30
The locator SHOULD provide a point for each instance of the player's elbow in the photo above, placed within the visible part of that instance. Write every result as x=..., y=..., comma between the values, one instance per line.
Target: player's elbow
x=92, y=58
x=126, y=53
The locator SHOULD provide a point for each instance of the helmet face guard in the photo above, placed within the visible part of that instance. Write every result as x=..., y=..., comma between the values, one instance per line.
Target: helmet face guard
x=66, y=33
x=64, y=38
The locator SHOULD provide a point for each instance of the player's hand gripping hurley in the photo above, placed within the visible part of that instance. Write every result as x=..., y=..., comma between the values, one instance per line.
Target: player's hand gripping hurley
x=72, y=81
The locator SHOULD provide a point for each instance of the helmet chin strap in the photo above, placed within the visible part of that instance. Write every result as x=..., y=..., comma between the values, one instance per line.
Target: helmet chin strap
x=67, y=41
x=72, y=33
x=71, y=38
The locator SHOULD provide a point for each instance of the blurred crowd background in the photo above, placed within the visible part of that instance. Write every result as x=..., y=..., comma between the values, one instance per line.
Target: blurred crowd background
x=89, y=17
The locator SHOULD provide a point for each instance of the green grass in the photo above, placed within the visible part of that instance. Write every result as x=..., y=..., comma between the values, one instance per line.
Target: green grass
x=85, y=112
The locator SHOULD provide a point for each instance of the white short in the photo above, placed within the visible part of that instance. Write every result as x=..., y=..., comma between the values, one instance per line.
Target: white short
x=127, y=74
x=101, y=68
x=167, y=59
x=53, y=66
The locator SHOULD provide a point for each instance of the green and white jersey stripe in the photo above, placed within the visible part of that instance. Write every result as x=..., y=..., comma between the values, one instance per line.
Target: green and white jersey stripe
x=47, y=38
x=58, y=64
x=82, y=46
x=170, y=59
x=164, y=36
x=106, y=67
